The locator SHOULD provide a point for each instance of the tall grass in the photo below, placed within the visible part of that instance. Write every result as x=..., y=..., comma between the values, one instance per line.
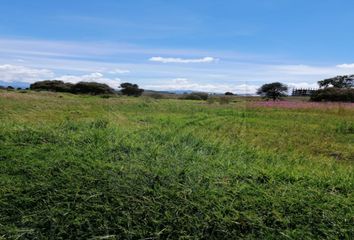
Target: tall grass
x=123, y=168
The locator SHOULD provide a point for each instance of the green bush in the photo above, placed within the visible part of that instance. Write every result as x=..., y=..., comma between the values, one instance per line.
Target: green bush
x=93, y=88
x=130, y=89
x=196, y=96
x=333, y=95
x=52, y=85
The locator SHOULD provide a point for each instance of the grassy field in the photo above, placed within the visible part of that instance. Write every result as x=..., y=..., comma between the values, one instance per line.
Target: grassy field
x=138, y=168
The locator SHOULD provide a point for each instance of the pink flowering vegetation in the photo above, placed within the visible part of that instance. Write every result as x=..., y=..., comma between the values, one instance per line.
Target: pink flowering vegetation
x=302, y=105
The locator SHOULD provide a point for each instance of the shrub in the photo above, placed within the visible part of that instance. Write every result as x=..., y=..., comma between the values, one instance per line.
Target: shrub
x=196, y=96
x=130, y=89
x=229, y=94
x=203, y=96
x=333, y=94
x=93, y=88
x=52, y=85
x=80, y=87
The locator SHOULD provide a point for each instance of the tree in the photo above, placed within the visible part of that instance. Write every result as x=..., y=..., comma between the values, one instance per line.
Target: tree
x=229, y=94
x=346, y=81
x=93, y=88
x=333, y=94
x=339, y=89
x=273, y=90
x=131, y=89
x=52, y=85
x=196, y=96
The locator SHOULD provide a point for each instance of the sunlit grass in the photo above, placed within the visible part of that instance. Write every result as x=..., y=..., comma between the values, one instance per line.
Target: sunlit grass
x=138, y=168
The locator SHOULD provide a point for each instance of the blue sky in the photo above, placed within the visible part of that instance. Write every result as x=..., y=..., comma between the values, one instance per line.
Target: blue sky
x=228, y=45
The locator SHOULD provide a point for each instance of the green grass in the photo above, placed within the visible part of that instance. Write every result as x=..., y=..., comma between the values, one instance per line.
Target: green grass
x=86, y=167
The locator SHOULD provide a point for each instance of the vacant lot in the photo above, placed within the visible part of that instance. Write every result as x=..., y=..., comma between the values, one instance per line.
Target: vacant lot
x=137, y=168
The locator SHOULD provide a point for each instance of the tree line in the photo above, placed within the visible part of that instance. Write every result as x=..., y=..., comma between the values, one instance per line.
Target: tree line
x=92, y=88
x=339, y=88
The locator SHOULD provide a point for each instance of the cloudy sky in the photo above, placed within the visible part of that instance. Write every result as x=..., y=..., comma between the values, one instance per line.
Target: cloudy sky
x=207, y=45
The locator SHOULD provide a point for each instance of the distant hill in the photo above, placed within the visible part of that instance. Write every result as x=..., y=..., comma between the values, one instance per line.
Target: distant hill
x=14, y=84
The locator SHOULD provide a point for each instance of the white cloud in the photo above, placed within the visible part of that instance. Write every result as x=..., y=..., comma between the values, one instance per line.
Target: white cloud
x=15, y=73
x=180, y=80
x=302, y=69
x=64, y=49
x=92, y=77
x=183, y=60
x=118, y=71
x=345, y=65
x=307, y=72
x=97, y=61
